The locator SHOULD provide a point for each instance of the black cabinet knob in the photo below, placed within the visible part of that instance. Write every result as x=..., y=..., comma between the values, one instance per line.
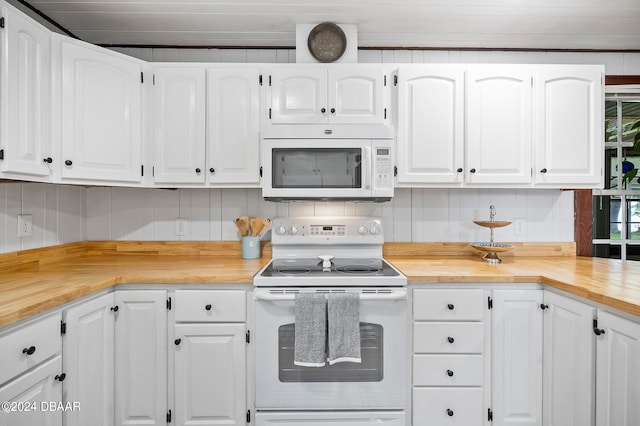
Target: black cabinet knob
x=450, y=339
x=459, y=169
x=333, y=110
x=472, y=171
x=449, y=412
x=68, y=162
x=450, y=373
x=212, y=170
x=543, y=171
x=208, y=307
x=543, y=306
x=598, y=331
x=450, y=306
x=115, y=308
x=60, y=377
x=177, y=341
x=323, y=110
x=198, y=170
x=48, y=160
x=29, y=351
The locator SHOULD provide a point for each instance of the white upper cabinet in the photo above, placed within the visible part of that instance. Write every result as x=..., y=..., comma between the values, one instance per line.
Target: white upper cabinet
x=101, y=107
x=498, y=148
x=569, y=139
x=26, y=101
x=233, y=125
x=340, y=94
x=178, y=125
x=430, y=124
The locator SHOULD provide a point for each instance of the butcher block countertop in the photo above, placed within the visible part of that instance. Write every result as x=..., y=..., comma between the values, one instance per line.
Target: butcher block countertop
x=34, y=281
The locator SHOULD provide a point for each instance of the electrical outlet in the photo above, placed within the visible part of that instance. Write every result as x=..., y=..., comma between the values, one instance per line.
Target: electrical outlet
x=181, y=227
x=25, y=225
x=520, y=226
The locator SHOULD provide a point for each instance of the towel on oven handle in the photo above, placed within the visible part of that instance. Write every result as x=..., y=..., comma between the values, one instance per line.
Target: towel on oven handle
x=344, y=327
x=310, y=338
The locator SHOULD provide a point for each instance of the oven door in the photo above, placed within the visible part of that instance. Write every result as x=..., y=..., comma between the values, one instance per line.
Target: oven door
x=378, y=382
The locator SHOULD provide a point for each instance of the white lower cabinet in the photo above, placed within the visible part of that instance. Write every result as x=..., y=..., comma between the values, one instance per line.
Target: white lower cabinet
x=209, y=358
x=617, y=371
x=435, y=406
x=141, y=357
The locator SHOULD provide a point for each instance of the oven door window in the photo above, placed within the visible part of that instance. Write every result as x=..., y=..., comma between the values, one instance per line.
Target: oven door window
x=317, y=168
x=369, y=370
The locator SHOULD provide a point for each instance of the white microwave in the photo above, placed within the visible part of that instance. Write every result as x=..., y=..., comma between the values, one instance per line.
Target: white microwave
x=327, y=169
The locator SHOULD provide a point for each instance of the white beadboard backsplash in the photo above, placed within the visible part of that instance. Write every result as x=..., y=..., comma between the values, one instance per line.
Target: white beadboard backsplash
x=63, y=214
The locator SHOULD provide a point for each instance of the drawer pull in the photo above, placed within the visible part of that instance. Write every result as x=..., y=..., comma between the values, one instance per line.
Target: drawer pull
x=450, y=306
x=208, y=307
x=450, y=339
x=177, y=341
x=60, y=377
x=450, y=373
x=115, y=308
x=449, y=412
x=29, y=351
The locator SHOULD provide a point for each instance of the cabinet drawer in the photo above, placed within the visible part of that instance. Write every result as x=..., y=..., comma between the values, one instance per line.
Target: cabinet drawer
x=448, y=370
x=448, y=305
x=447, y=406
x=28, y=346
x=448, y=337
x=210, y=306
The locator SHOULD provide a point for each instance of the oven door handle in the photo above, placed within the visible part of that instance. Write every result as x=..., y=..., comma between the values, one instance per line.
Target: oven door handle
x=274, y=297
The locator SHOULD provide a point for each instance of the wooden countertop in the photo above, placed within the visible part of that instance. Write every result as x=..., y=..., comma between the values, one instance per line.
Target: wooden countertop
x=37, y=280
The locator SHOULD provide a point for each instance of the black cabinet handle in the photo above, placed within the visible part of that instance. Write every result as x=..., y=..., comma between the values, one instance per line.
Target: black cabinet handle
x=177, y=341
x=48, y=160
x=450, y=373
x=333, y=110
x=598, y=331
x=115, y=308
x=543, y=306
x=29, y=351
x=450, y=339
x=212, y=170
x=543, y=171
x=208, y=307
x=323, y=110
x=198, y=170
x=60, y=377
x=449, y=412
x=68, y=162
x=451, y=307
x=459, y=169
x=472, y=171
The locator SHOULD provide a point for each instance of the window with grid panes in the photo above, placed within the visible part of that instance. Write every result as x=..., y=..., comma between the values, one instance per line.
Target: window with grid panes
x=616, y=208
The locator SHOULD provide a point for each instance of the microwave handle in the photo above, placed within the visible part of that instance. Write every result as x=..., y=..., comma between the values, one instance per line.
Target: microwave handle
x=399, y=294
x=367, y=166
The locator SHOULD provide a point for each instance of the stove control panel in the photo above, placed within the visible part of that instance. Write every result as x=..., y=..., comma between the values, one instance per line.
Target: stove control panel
x=325, y=230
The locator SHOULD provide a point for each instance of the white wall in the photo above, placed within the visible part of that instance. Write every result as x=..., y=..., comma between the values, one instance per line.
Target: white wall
x=57, y=210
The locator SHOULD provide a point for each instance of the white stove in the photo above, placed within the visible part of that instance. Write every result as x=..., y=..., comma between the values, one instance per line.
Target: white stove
x=328, y=251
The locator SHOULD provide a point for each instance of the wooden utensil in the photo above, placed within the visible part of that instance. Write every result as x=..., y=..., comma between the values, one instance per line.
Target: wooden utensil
x=256, y=225
x=266, y=224
x=242, y=224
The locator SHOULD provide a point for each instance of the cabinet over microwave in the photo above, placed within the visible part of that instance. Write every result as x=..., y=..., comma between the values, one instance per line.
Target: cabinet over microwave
x=328, y=169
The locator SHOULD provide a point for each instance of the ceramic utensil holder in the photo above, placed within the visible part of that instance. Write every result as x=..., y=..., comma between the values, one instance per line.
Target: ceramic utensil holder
x=250, y=247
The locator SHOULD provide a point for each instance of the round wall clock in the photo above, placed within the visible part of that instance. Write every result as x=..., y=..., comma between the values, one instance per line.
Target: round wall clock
x=327, y=42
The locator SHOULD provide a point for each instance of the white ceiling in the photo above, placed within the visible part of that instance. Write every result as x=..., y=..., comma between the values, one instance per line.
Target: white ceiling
x=521, y=24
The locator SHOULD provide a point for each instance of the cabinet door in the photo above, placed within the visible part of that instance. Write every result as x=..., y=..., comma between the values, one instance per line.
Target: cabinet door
x=141, y=357
x=568, y=360
x=179, y=123
x=498, y=148
x=517, y=357
x=26, y=100
x=35, y=390
x=210, y=374
x=355, y=95
x=569, y=125
x=88, y=362
x=233, y=143
x=430, y=125
x=101, y=114
x=298, y=95
x=617, y=371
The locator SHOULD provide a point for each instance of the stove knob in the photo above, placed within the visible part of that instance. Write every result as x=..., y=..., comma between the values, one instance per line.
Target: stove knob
x=281, y=230
x=362, y=230
x=293, y=230
x=374, y=230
